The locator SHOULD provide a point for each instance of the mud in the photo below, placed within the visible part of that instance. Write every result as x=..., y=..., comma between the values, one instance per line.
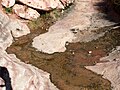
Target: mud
x=67, y=68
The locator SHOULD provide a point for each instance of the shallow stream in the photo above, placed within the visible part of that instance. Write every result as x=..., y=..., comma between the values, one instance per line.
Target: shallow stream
x=67, y=68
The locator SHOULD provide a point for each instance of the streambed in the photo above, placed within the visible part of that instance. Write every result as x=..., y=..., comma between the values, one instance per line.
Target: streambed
x=67, y=68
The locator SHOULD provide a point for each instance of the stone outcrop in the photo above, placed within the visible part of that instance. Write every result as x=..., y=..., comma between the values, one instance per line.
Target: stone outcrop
x=46, y=4
x=25, y=12
x=40, y=4
x=18, y=28
x=13, y=25
x=24, y=76
x=43, y=5
x=77, y=26
x=53, y=41
x=5, y=34
x=111, y=69
x=16, y=74
x=8, y=3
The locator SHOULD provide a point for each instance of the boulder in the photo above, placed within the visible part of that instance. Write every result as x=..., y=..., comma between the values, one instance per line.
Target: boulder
x=25, y=12
x=5, y=34
x=17, y=27
x=52, y=41
x=109, y=70
x=20, y=76
x=5, y=38
x=8, y=3
x=45, y=4
x=14, y=74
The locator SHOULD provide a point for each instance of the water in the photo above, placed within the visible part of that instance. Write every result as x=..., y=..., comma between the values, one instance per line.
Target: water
x=67, y=68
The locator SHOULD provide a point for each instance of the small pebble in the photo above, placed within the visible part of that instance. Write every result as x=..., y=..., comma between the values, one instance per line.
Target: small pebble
x=90, y=52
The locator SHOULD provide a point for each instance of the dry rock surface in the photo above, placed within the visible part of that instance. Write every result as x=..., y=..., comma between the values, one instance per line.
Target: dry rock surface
x=24, y=76
x=20, y=76
x=8, y=3
x=77, y=26
x=25, y=12
x=13, y=25
x=43, y=4
x=111, y=69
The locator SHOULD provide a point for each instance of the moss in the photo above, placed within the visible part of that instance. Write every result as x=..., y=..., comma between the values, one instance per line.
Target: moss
x=8, y=10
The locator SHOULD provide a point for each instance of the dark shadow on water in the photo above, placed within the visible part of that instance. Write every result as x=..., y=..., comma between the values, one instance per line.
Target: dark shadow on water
x=111, y=10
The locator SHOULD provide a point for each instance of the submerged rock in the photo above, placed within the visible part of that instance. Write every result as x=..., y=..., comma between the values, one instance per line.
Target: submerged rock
x=52, y=41
x=111, y=69
x=25, y=12
x=18, y=28
x=78, y=25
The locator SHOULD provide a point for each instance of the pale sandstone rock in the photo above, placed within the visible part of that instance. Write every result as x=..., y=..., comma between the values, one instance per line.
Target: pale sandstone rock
x=40, y=4
x=25, y=12
x=5, y=38
x=43, y=4
x=4, y=19
x=57, y=38
x=109, y=70
x=16, y=26
x=8, y=3
x=24, y=76
x=5, y=34
x=78, y=26
x=114, y=55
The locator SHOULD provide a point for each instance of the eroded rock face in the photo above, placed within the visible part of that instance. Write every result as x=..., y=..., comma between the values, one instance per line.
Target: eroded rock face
x=18, y=75
x=5, y=34
x=111, y=69
x=67, y=2
x=40, y=4
x=5, y=38
x=57, y=38
x=45, y=4
x=18, y=28
x=25, y=12
x=8, y=3
x=79, y=23
x=13, y=25
x=25, y=76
